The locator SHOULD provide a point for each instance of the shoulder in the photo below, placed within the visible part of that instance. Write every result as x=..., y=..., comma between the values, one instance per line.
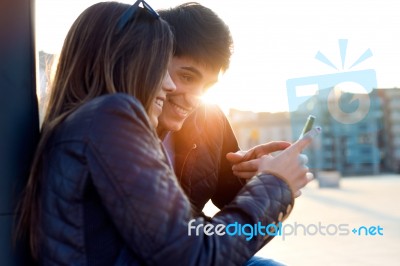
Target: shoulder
x=115, y=102
x=120, y=111
x=113, y=110
x=111, y=106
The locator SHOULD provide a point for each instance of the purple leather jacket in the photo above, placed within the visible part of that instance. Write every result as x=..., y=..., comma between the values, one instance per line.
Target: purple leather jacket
x=109, y=197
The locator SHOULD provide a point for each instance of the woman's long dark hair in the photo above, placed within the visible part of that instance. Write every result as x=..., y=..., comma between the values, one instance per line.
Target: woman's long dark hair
x=97, y=59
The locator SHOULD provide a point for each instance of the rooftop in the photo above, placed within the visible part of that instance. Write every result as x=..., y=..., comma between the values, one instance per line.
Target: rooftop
x=361, y=203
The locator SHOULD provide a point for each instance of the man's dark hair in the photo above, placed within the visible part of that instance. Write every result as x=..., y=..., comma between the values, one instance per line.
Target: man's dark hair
x=200, y=34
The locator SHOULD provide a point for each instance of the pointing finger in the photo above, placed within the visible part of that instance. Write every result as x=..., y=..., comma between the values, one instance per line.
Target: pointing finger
x=264, y=149
x=302, y=143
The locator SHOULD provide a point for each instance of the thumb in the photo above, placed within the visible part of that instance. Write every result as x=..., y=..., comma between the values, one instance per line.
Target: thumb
x=302, y=143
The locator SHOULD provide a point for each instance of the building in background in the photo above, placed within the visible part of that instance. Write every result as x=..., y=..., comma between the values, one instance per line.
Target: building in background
x=350, y=140
x=367, y=142
x=255, y=128
x=391, y=132
x=45, y=68
x=368, y=146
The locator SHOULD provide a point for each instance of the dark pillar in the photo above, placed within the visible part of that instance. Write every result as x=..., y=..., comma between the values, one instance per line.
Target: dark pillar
x=19, y=126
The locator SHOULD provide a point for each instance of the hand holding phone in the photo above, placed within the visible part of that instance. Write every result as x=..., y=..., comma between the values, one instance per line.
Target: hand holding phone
x=308, y=125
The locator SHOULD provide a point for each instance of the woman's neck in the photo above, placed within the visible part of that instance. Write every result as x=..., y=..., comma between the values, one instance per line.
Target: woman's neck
x=162, y=132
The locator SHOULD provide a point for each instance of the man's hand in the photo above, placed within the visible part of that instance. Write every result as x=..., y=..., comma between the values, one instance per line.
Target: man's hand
x=246, y=163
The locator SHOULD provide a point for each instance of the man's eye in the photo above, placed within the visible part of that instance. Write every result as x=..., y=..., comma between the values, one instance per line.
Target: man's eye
x=187, y=78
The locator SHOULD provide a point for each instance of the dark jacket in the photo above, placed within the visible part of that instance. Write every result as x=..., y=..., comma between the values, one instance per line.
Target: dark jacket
x=109, y=197
x=200, y=163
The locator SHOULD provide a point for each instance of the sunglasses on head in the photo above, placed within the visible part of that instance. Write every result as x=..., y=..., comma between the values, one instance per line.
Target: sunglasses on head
x=130, y=13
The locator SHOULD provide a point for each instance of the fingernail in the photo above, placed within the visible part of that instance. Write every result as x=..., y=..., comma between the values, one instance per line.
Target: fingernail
x=310, y=176
x=313, y=133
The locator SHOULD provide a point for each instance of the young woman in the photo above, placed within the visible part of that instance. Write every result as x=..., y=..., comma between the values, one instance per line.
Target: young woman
x=101, y=190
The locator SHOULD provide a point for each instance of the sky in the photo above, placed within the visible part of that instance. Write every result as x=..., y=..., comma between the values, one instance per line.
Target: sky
x=274, y=41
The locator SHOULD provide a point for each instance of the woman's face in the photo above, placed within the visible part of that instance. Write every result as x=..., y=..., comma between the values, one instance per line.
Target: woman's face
x=156, y=106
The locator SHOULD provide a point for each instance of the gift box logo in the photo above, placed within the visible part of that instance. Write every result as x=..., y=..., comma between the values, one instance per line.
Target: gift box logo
x=345, y=94
x=347, y=108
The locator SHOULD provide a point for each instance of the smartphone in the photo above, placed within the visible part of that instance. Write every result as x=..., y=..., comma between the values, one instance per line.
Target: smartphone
x=308, y=125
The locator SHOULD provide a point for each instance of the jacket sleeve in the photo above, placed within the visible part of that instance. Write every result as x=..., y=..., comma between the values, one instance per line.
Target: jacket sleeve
x=228, y=184
x=148, y=207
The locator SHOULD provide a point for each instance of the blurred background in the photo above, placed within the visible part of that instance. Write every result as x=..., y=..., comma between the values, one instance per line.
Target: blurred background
x=268, y=90
x=336, y=60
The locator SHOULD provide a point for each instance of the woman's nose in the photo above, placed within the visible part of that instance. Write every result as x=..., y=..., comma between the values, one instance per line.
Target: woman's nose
x=168, y=85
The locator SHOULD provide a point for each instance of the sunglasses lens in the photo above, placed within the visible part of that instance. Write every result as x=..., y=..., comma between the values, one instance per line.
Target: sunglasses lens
x=130, y=14
x=150, y=10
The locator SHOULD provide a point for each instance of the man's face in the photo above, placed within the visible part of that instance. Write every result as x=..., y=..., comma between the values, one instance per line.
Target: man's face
x=191, y=79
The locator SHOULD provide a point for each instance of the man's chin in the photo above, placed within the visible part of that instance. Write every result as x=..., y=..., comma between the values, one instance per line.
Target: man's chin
x=170, y=125
x=175, y=127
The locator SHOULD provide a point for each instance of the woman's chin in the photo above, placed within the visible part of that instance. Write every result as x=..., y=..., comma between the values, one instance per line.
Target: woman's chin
x=154, y=121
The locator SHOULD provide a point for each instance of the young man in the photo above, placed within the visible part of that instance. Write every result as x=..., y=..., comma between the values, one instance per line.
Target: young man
x=199, y=138
x=198, y=147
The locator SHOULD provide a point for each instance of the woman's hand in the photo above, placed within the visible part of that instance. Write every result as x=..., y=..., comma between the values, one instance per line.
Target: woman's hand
x=290, y=164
